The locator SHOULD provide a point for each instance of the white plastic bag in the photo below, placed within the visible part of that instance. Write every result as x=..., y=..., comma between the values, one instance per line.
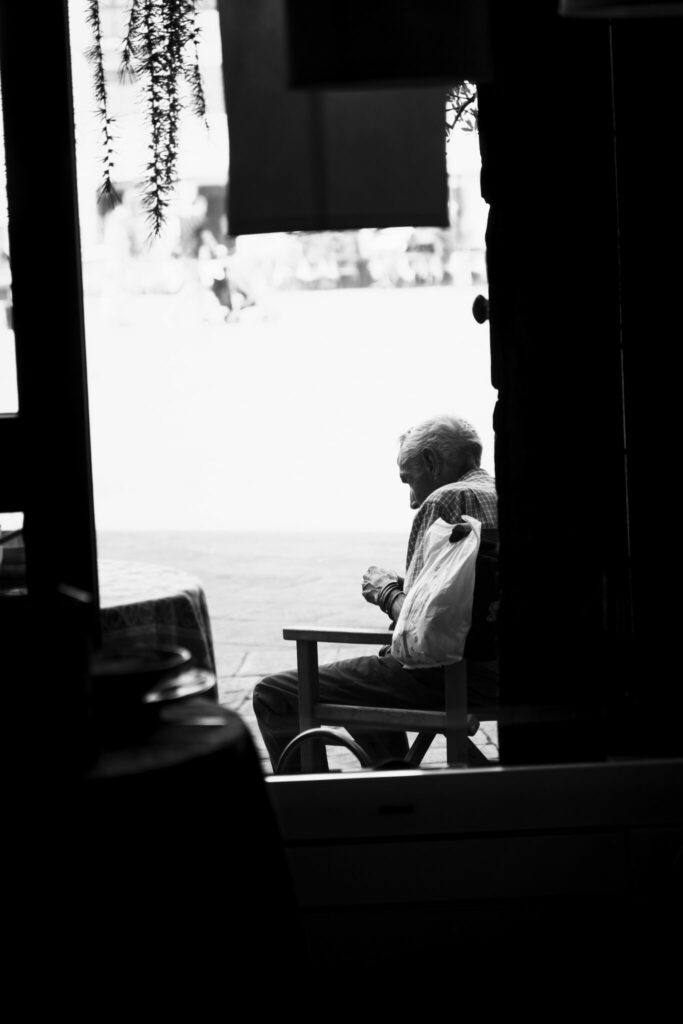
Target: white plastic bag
x=436, y=615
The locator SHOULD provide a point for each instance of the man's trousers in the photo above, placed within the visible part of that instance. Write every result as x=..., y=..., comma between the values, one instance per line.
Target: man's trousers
x=370, y=681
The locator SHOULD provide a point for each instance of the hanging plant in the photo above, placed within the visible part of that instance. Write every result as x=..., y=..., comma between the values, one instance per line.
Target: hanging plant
x=462, y=109
x=94, y=55
x=160, y=51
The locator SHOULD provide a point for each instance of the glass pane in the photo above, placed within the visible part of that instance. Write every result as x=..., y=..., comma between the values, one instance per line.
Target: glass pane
x=8, y=364
x=247, y=394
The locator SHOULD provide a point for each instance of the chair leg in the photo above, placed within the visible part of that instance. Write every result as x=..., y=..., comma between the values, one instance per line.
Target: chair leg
x=475, y=758
x=421, y=745
x=313, y=757
x=455, y=683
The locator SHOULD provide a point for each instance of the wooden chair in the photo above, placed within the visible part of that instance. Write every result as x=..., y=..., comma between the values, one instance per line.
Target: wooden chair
x=319, y=723
x=315, y=718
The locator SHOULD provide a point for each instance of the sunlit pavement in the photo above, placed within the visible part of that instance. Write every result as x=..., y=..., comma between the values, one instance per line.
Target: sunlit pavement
x=255, y=585
x=285, y=419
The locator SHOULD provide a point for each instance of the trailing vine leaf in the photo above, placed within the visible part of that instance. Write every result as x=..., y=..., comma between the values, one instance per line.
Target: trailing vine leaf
x=95, y=56
x=172, y=14
x=153, y=65
x=129, y=50
x=160, y=51
x=191, y=65
x=462, y=109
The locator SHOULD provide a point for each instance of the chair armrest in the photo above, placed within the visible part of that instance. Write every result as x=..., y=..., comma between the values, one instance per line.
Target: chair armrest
x=337, y=636
x=307, y=640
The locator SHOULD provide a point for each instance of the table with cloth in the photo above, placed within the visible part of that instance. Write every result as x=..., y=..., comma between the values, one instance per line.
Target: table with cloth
x=141, y=604
x=150, y=605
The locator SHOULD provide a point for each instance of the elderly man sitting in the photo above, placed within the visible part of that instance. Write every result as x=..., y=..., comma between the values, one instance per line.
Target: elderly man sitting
x=439, y=460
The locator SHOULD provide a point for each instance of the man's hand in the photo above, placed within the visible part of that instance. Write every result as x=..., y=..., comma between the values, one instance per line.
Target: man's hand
x=374, y=582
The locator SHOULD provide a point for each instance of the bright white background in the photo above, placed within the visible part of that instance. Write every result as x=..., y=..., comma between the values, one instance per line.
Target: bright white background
x=286, y=424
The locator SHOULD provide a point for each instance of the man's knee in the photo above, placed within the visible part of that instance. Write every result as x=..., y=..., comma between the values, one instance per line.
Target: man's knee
x=274, y=695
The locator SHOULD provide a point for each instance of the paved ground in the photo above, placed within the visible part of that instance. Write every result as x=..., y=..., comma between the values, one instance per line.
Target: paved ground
x=256, y=583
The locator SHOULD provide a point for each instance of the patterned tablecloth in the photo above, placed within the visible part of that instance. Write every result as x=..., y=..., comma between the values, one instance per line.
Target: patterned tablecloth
x=153, y=604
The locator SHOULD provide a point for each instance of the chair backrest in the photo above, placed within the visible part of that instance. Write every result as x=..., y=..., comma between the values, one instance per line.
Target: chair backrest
x=482, y=639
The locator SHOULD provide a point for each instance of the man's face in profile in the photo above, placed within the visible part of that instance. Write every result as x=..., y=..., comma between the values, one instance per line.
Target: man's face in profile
x=416, y=474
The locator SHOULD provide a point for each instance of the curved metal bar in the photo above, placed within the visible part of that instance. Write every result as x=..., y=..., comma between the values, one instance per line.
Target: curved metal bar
x=323, y=734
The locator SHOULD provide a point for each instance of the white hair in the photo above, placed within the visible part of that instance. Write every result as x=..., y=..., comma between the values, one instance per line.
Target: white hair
x=455, y=440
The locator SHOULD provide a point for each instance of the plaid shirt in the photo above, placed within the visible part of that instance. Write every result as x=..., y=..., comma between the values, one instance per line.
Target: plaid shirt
x=474, y=494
